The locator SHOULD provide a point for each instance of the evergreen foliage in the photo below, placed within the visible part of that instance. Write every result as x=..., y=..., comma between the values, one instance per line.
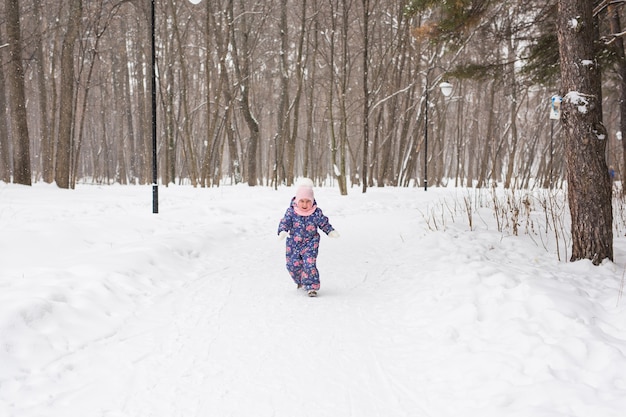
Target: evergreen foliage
x=542, y=63
x=455, y=16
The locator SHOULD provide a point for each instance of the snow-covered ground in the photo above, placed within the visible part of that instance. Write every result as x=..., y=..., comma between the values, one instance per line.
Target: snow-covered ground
x=109, y=310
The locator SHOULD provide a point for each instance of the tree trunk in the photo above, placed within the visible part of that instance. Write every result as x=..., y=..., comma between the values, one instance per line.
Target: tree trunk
x=471, y=150
x=5, y=163
x=144, y=138
x=343, y=126
x=133, y=172
x=460, y=144
x=64, y=141
x=19, y=125
x=300, y=74
x=47, y=160
x=589, y=185
x=241, y=56
x=488, y=138
x=331, y=69
x=282, y=141
x=618, y=43
x=513, y=109
x=308, y=169
x=119, y=140
x=223, y=53
x=169, y=123
x=188, y=148
x=214, y=118
x=366, y=94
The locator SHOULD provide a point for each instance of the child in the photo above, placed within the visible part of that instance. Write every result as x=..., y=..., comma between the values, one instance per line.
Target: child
x=299, y=225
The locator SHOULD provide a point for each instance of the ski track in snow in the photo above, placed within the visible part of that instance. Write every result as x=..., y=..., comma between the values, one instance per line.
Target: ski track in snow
x=191, y=312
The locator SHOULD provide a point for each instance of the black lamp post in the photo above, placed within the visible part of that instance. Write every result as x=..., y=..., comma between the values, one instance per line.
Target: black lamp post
x=155, y=186
x=446, y=89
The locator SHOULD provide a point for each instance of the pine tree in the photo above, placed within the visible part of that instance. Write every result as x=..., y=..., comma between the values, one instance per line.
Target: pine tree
x=589, y=185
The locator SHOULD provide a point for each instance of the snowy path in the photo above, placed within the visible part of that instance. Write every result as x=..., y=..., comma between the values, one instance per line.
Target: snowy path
x=191, y=313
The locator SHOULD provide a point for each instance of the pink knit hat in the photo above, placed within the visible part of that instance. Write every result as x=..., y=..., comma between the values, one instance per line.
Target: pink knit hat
x=305, y=190
x=305, y=193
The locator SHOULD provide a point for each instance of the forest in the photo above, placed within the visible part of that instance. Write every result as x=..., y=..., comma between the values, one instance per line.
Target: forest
x=266, y=91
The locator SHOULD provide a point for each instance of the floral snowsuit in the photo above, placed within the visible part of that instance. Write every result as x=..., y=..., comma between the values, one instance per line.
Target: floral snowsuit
x=303, y=244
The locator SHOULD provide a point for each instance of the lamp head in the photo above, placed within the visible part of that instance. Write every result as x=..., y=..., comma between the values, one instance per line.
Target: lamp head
x=446, y=88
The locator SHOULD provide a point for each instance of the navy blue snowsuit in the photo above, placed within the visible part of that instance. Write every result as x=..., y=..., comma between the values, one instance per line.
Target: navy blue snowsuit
x=303, y=244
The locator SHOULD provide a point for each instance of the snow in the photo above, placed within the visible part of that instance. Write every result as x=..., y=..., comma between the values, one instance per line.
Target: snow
x=109, y=310
x=579, y=100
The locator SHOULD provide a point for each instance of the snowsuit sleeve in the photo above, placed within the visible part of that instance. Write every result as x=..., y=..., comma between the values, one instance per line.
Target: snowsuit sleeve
x=286, y=223
x=322, y=221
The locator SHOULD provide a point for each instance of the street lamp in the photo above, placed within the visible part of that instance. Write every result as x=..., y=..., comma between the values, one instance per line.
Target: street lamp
x=446, y=90
x=155, y=186
x=155, y=173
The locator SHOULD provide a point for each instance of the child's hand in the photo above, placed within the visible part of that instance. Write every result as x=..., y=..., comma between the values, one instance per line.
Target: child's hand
x=334, y=234
x=282, y=235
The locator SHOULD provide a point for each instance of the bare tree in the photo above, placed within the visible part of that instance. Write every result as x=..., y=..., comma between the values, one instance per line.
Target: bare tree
x=366, y=95
x=185, y=119
x=312, y=70
x=620, y=54
x=285, y=147
x=47, y=155
x=21, y=140
x=242, y=45
x=5, y=162
x=338, y=140
x=271, y=90
x=67, y=84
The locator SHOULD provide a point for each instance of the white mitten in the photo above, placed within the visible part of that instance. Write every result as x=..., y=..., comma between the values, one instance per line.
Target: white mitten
x=334, y=234
x=282, y=235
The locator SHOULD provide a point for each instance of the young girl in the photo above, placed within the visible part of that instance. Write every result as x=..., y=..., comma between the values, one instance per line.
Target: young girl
x=299, y=225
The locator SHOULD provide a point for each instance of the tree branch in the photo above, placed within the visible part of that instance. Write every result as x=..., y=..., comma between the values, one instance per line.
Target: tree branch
x=606, y=3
